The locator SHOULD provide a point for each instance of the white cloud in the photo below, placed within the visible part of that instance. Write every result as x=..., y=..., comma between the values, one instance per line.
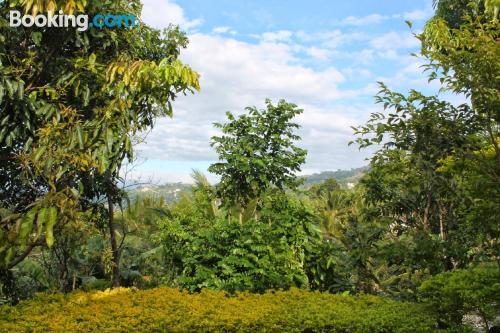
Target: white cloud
x=395, y=40
x=294, y=65
x=418, y=14
x=364, y=20
x=236, y=74
x=223, y=30
x=365, y=56
x=415, y=15
x=277, y=36
x=258, y=69
x=330, y=39
x=411, y=77
x=161, y=13
x=390, y=54
x=357, y=72
x=319, y=53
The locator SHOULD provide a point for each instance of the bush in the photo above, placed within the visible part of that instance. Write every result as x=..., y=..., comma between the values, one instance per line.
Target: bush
x=259, y=254
x=233, y=257
x=454, y=294
x=170, y=310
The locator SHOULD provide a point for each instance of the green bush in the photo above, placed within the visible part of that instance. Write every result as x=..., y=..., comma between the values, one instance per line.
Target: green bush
x=456, y=293
x=259, y=254
x=170, y=310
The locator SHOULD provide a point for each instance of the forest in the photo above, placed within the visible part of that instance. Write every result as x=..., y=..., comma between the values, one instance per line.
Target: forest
x=412, y=247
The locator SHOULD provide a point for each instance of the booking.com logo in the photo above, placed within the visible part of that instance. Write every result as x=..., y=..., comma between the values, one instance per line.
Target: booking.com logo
x=81, y=21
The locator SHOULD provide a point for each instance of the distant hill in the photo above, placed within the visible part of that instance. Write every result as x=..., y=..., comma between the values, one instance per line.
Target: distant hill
x=172, y=191
x=169, y=191
x=346, y=178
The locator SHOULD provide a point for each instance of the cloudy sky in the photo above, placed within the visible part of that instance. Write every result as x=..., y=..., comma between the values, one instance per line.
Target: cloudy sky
x=324, y=55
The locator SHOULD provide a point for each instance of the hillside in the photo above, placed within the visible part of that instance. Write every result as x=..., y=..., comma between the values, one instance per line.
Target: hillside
x=344, y=177
x=172, y=191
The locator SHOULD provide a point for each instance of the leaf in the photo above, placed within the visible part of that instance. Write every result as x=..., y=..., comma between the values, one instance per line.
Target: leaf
x=109, y=139
x=49, y=230
x=10, y=88
x=92, y=58
x=39, y=153
x=8, y=257
x=27, y=225
x=80, y=136
x=36, y=36
x=41, y=220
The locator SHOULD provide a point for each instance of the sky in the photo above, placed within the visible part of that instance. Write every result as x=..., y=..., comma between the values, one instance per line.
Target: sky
x=326, y=56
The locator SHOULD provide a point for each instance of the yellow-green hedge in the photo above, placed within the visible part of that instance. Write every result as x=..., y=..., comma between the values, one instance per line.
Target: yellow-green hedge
x=171, y=310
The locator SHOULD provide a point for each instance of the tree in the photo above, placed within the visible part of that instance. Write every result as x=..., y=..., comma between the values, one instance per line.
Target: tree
x=436, y=174
x=257, y=151
x=466, y=60
x=71, y=106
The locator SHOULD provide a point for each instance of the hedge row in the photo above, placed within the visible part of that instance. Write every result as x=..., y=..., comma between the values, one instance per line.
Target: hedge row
x=171, y=310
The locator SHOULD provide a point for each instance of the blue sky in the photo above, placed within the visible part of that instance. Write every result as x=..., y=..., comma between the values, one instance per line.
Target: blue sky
x=325, y=56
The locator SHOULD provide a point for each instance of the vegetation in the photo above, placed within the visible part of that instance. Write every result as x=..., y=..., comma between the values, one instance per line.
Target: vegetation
x=163, y=309
x=412, y=247
x=344, y=177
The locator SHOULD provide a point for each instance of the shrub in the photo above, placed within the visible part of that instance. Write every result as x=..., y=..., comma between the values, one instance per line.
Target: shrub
x=171, y=310
x=259, y=254
x=233, y=257
x=454, y=294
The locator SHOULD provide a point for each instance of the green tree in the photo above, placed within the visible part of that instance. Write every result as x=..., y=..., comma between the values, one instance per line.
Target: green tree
x=257, y=151
x=436, y=173
x=71, y=106
x=466, y=61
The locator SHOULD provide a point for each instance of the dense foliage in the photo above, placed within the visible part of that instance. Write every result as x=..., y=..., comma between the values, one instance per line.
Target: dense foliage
x=163, y=309
x=256, y=255
x=92, y=93
x=412, y=247
x=454, y=294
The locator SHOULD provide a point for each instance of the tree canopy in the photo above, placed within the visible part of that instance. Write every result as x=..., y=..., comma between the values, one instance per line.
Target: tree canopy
x=72, y=105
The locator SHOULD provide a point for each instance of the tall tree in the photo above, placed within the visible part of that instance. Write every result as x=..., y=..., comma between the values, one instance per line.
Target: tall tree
x=256, y=151
x=435, y=155
x=71, y=105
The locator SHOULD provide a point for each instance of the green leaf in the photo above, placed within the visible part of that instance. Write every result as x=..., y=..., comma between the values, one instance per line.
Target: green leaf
x=27, y=225
x=39, y=153
x=41, y=220
x=80, y=136
x=36, y=37
x=10, y=88
x=109, y=140
x=8, y=257
x=49, y=230
x=92, y=58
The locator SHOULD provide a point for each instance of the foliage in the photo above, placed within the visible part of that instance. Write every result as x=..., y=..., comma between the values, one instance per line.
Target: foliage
x=454, y=294
x=328, y=268
x=160, y=310
x=256, y=255
x=256, y=151
x=435, y=175
x=81, y=257
x=92, y=92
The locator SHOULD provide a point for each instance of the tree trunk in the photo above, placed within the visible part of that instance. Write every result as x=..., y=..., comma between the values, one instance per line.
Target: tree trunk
x=442, y=233
x=425, y=221
x=114, y=247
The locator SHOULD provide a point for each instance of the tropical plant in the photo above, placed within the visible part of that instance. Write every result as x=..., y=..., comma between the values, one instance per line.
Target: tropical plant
x=257, y=151
x=91, y=92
